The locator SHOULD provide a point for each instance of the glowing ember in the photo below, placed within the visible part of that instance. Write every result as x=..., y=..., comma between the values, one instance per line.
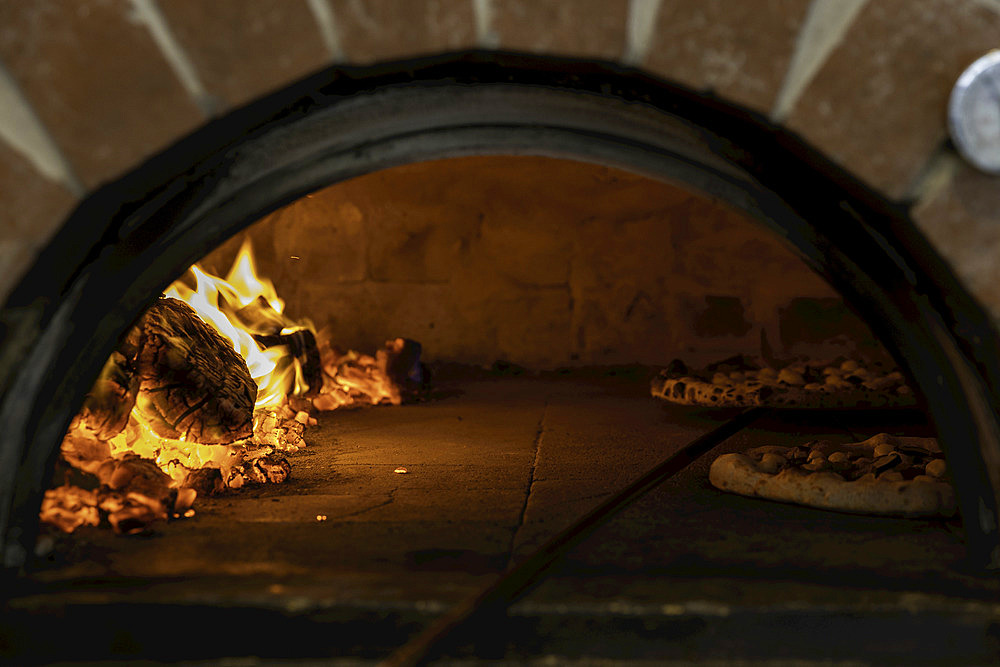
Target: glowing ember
x=174, y=457
x=350, y=378
x=69, y=507
x=400, y=471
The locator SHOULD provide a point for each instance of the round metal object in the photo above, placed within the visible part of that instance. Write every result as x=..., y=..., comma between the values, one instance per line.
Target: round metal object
x=974, y=113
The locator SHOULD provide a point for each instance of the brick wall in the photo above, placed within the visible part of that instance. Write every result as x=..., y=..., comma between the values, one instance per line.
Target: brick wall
x=543, y=263
x=88, y=88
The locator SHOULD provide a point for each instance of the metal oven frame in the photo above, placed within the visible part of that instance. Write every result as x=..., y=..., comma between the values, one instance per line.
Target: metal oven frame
x=127, y=240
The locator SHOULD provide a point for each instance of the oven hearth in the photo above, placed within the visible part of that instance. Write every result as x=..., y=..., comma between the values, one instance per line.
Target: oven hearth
x=494, y=466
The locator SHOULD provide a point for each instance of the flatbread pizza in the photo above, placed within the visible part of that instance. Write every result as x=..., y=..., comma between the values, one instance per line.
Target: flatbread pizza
x=884, y=475
x=738, y=382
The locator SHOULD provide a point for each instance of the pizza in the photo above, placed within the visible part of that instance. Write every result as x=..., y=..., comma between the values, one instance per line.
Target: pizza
x=884, y=475
x=739, y=382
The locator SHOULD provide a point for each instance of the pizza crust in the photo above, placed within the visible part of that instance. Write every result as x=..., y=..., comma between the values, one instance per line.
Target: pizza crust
x=879, y=491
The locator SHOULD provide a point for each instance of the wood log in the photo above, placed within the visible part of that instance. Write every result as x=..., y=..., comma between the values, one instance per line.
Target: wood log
x=402, y=364
x=106, y=409
x=193, y=385
x=302, y=346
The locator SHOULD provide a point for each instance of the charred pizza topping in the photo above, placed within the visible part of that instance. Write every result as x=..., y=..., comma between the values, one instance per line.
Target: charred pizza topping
x=738, y=382
x=936, y=468
x=909, y=461
x=882, y=475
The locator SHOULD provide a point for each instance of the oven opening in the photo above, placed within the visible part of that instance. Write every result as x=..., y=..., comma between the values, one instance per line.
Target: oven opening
x=411, y=335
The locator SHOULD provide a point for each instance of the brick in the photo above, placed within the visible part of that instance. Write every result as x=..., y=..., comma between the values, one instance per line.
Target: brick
x=739, y=50
x=722, y=316
x=646, y=261
x=592, y=28
x=533, y=327
x=33, y=208
x=513, y=216
x=877, y=106
x=15, y=258
x=719, y=251
x=537, y=261
x=525, y=249
x=806, y=323
x=698, y=338
x=622, y=262
x=611, y=245
x=326, y=232
x=962, y=220
x=624, y=324
x=97, y=81
x=525, y=327
x=320, y=237
x=387, y=29
x=529, y=208
x=420, y=220
x=362, y=316
x=242, y=49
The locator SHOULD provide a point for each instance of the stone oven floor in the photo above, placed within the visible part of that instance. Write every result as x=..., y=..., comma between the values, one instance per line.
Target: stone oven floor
x=496, y=465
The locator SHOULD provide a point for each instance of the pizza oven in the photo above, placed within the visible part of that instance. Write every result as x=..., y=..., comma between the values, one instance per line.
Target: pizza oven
x=553, y=232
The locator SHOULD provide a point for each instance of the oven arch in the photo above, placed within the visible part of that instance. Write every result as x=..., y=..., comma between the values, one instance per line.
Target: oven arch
x=129, y=239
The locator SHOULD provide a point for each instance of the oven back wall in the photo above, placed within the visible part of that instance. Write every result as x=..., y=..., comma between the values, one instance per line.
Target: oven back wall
x=543, y=263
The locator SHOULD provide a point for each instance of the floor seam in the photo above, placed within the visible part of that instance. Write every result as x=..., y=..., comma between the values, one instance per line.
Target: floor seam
x=539, y=432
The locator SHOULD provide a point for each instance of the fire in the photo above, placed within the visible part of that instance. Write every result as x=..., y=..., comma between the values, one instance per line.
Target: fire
x=174, y=457
x=245, y=308
x=240, y=307
x=143, y=476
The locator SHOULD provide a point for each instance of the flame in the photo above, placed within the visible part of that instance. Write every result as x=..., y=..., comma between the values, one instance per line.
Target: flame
x=174, y=457
x=248, y=285
x=243, y=305
x=145, y=477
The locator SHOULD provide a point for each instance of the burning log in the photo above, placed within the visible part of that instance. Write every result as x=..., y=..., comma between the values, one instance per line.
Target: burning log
x=301, y=345
x=173, y=412
x=192, y=385
x=401, y=359
x=173, y=378
x=106, y=409
x=83, y=449
x=179, y=374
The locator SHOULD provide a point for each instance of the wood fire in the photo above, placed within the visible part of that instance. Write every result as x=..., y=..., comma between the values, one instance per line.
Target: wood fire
x=209, y=391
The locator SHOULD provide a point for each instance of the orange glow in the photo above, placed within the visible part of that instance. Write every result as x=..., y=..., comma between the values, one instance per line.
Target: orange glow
x=352, y=378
